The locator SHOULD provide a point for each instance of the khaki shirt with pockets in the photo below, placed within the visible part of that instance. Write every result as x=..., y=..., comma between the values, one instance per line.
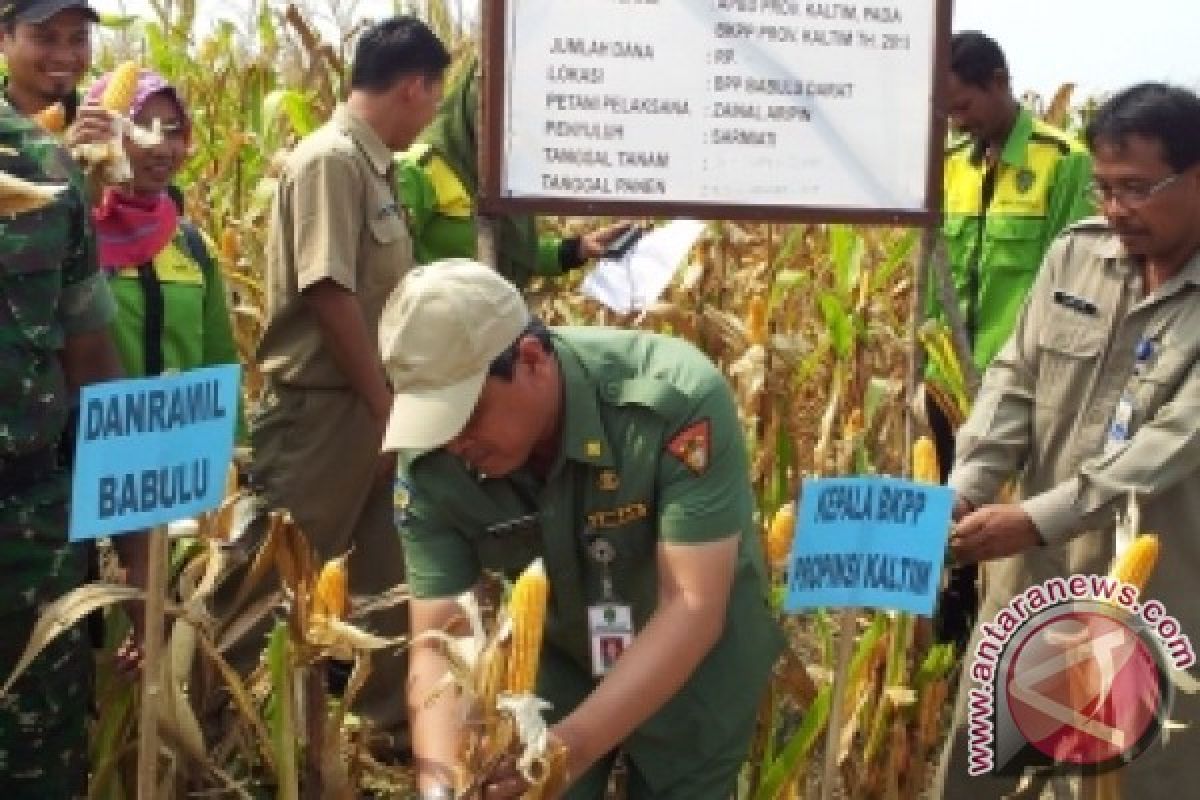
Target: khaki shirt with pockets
x=335, y=216
x=628, y=396
x=1044, y=413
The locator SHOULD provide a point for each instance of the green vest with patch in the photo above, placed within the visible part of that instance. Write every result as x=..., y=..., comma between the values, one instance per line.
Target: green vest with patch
x=999, y=221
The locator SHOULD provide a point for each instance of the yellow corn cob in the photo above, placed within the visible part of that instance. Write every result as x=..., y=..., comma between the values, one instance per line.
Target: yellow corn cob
x=527, y=608
x=779, y=536
x=229, y=246
x=52, y=118
x=1137, y=562
x=756, y=320
x=332, y=598
x=122, y=86
x=853, y=425
x=925, y=461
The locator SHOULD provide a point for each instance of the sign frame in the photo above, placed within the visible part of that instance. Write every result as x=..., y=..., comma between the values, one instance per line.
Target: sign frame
x=491, y=153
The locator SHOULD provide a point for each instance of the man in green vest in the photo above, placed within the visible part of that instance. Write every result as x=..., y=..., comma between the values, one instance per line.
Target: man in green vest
x=1012, y=183
x=616, y=457
x=438, y=182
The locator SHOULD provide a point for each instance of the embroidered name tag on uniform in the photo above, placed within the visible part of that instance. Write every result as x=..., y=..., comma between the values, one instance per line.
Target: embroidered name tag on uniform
x=610, y=631
x=510, y=526
x=1076, y=303
x=692, y=444
x=617, y=517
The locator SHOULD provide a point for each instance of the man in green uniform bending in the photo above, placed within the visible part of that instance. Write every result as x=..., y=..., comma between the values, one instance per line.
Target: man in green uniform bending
x=616, y=457
x=55, y=310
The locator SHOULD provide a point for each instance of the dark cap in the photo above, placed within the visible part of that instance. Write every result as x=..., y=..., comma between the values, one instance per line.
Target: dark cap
x=38, y=11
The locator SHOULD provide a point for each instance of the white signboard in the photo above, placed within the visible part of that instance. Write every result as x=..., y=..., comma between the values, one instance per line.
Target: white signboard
x=756, y=103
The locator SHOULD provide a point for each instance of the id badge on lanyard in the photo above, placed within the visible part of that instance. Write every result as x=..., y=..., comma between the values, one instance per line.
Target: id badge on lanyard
x=1121, y=427
x=610, y=622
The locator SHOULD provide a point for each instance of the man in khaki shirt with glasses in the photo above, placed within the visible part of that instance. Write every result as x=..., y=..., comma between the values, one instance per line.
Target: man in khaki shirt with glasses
x=336, y=247
x=1095, y=396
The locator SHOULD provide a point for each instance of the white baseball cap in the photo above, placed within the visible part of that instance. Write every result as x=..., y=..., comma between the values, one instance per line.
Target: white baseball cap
x=441, y=329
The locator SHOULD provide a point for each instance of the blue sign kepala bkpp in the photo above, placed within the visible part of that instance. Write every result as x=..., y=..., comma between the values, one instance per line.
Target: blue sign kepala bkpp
x=870, y=543
x=152, y=450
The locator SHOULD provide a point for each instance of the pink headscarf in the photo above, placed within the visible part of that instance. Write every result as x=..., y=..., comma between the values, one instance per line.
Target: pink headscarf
x=131, y=230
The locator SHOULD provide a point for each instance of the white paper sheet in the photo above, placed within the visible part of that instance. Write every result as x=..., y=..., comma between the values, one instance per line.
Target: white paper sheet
x=635, y=282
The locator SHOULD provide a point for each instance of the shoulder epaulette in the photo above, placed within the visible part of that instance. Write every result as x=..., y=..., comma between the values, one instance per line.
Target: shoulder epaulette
x=1063, y=146
x=958, y=145
x=419, y=153
x=1089, y=225
x=1044, y=133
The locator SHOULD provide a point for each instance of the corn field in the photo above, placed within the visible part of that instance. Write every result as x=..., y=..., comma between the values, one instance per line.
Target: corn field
x=813, y=325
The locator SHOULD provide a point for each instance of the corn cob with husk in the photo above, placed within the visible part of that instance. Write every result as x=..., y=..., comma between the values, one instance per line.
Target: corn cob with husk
x=925, y=467
x=19, y=196
x=542, y=761
x=1135, y=565
x=1132, y=566
x=527, y=609
x=331, y=597
x=106, y=163
x=780, y=534
x=52, y=118
x=756, y=320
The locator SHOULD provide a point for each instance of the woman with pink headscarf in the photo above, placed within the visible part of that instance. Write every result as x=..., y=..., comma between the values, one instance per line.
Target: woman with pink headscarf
x=172, y=312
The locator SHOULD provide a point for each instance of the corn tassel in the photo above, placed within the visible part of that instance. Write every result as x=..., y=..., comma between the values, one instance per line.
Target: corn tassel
x=925, y=468
x=779, y=535
x=122, y=88
x=52, y=118
x=527, y=609
x=1135, y=565
x=229, y=246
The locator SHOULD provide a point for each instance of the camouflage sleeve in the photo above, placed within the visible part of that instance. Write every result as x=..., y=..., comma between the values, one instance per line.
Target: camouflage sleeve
x=86, y=303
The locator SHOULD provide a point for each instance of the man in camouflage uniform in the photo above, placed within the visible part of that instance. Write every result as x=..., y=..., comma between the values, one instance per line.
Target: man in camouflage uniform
x=54, y=315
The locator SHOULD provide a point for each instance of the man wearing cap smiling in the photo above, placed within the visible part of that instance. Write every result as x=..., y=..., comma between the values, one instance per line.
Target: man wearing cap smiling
x=617, y=457
x=47, y=45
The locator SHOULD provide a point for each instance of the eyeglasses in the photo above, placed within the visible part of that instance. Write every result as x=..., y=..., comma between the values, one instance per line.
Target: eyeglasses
x=1130, y=197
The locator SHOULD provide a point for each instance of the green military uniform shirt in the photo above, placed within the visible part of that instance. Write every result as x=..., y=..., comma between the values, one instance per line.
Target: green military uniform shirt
x=1043, y=415
x=50, y=288
x=652, y=452
x=997, y=228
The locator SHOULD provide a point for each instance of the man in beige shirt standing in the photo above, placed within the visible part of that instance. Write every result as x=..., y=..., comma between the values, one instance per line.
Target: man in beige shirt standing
x=1096, y=396
x=336, y=247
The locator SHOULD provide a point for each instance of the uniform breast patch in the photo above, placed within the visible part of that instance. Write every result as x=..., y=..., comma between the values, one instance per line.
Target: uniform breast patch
x=692, y=445
x=618, y=517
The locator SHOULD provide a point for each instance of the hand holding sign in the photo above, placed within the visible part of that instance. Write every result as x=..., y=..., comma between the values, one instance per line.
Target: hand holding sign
x=994, y=531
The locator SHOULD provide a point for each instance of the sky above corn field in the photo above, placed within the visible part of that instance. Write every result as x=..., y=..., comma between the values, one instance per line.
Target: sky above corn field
x=1101, y=45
